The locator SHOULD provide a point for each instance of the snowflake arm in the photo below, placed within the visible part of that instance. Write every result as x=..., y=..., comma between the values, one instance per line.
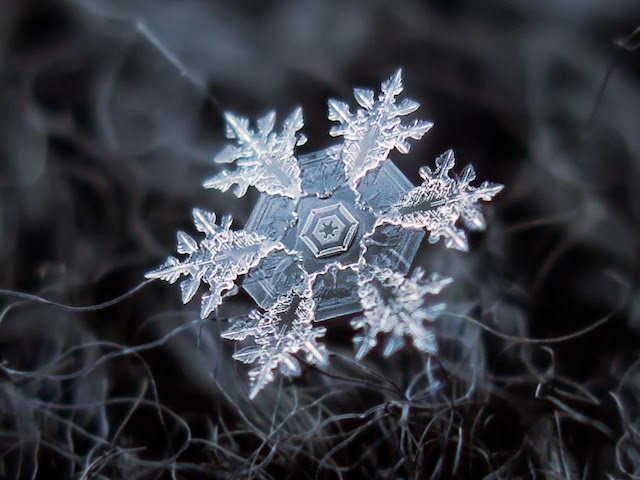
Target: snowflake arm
x=220, y=258
x=397, y=306
x=264, y=158
x=375, y=129
x=441, y=201
x=280, y=332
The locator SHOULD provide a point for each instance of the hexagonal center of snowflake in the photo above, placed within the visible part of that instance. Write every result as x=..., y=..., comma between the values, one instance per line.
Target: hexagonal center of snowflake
x=327, y=227
x=329, y=230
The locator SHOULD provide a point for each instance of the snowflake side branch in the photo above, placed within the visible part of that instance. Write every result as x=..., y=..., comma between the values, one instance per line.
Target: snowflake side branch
x=375, y=129
x=397, y=306
x=280, y=332
x=440, y=201
x=218, y=260
x=265, y=159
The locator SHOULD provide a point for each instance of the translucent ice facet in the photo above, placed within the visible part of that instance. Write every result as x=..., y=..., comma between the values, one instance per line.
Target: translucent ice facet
x=300, y=226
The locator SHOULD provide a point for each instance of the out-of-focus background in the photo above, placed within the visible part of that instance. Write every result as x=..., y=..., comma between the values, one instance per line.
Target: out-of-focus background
x=110, y=113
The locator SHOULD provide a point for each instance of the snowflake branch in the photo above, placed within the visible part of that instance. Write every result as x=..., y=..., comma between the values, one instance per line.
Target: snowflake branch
x=440, y=201
x=220, y=258
x=280, y=332
x=264, y=158
x=375, y=129
x=397, y=305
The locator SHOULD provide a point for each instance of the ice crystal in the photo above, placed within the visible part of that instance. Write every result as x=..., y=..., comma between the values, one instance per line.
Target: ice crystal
x=265, y=159
x=279, y=333
x=375, y=129
x=218, y=260
x=334, y=232
x=397, y=305
x=440, y=201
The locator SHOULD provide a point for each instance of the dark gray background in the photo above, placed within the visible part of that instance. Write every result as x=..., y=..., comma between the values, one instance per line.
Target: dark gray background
x=104, y=143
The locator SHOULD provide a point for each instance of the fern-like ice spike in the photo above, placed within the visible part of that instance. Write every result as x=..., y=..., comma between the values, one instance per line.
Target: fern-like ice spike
x=265, y=159
x=375, y=129
x=218, y=260
x=397, y=306
x=280, y=332
x=441, y=201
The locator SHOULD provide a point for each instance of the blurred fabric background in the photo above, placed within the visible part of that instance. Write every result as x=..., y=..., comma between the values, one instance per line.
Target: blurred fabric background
x=110, y=113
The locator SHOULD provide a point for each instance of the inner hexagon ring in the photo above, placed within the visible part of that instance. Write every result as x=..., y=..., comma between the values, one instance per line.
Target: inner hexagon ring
x=329, y=230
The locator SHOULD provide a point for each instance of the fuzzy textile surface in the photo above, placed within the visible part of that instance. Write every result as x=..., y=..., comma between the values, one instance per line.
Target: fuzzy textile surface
x=110, y=114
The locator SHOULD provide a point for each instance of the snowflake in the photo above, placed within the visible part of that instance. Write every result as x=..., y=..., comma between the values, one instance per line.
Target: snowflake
x=334, y=232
